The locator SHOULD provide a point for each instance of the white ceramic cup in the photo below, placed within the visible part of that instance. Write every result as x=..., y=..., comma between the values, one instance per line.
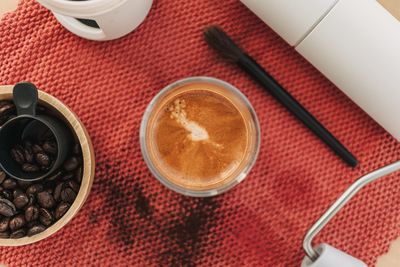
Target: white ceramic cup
x=99, y=20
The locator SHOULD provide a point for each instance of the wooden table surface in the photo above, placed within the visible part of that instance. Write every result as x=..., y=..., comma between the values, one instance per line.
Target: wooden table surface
x=393, y=6
x=7, y=6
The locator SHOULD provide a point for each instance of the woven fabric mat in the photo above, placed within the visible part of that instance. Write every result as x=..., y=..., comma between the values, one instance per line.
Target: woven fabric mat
x=130, y=219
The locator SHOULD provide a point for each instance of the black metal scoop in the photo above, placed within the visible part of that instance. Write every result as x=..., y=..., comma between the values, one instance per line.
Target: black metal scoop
x=28, y=125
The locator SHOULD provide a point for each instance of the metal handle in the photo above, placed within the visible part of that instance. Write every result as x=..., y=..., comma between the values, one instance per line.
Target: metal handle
x=338, y=205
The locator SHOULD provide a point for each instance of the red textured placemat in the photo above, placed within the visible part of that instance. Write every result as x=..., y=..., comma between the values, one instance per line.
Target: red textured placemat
x=130, y=219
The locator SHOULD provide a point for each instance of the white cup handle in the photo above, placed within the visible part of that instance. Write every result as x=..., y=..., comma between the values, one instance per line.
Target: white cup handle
x=80, y=28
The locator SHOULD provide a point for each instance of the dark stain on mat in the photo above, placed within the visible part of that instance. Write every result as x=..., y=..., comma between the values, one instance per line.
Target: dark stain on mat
x=170, y=238
x=186, y=235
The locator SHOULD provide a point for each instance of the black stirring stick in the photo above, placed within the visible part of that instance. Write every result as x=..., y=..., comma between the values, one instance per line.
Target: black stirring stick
x=220, y=41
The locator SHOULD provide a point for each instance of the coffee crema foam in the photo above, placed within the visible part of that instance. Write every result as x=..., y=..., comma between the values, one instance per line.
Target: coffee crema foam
x=200, y=137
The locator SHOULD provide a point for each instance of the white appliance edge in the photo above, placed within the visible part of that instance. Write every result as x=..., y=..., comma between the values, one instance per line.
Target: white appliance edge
x=354, y=43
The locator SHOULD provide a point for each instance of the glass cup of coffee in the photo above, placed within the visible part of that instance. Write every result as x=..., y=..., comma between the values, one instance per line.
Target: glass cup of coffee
x=200, y=136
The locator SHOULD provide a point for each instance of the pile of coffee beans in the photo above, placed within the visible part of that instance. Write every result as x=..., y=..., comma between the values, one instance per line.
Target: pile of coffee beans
x=34, y=157
x=29, y=208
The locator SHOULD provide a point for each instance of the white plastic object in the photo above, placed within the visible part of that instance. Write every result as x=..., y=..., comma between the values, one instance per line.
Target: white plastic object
x=292, y=19
x=332, y=257
x=354, y=43
x=115, y=18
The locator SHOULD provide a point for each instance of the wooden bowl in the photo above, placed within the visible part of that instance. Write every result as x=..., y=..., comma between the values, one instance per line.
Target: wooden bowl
x=88, y=164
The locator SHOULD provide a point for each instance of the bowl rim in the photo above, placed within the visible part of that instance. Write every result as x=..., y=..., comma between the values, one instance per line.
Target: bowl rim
x=88, y=166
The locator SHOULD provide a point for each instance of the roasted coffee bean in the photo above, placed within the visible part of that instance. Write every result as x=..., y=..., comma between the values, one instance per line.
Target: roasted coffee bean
x=4, y=224
x=46, y=200
x=37, y=229
x=31, y=213
x=32, y=200
x=17, y=192
x=68, y=176
x=36, y=149
x=68, y=195
x=7, y=208
x=74, y=186
x=57, y=191
x=27, y=167
x=9, y=184
x=71, y=164
x=18, y=234
x=24, y=184
x=50, y=147
x=78, y=175
x=42, y=159
x=43, y=168
x=34, y=189
x=61, y=209
x=27, y=143
x=17, y=222
x=7, y=194
x=55, y=176
x=45, y=217
x=31, y=224
x=17, y=154
x=21, y=200
x=3, y=176
x=28, y=153
x=6, y=108
x=4, y=235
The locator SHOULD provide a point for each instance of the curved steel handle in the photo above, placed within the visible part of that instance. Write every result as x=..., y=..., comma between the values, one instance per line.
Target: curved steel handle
x=340, y=202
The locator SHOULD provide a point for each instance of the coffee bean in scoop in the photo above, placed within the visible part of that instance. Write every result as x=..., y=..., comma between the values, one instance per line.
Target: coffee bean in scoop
x=35, y=156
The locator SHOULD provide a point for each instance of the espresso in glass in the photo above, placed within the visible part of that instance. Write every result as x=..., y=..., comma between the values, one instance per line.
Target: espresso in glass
x=200, y=136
